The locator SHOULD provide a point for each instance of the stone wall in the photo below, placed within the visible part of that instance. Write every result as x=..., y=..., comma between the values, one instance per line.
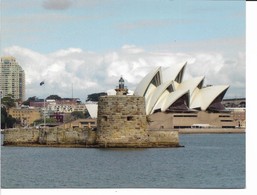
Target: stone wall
x=20, y=136
x=160, y=120
x=50, y=136
x=163, y=138
x=121, y=121
x=54, y=136
x=87, y=138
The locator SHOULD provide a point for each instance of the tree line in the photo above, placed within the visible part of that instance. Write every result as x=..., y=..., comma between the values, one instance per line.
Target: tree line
x=7, y=121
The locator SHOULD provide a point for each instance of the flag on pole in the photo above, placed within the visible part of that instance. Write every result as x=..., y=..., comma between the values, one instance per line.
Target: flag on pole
x=42, y=83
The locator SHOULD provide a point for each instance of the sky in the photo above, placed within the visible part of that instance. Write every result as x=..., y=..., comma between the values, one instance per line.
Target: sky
x=79, y=47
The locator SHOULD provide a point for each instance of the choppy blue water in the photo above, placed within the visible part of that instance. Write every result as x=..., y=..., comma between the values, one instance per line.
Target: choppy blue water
x=206, y=161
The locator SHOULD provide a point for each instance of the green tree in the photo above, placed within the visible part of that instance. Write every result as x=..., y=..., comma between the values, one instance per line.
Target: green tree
x=95, y=96
x=78, y=114
x=10, y=121
x=26, y=103
x=87, y=115
x=53, y=97
x=8, y=101
x=6, y=121
x=3, y=116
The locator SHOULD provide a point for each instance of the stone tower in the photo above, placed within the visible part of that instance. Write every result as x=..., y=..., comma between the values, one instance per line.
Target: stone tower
x=121, y=120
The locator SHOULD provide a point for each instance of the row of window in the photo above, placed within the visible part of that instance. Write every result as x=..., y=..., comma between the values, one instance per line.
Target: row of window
x=224, y=115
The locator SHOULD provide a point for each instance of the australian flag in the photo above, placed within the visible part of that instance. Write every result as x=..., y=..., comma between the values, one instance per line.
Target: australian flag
x=41, y=83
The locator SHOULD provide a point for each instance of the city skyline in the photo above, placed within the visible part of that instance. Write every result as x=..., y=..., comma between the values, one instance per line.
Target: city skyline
x=83, y=47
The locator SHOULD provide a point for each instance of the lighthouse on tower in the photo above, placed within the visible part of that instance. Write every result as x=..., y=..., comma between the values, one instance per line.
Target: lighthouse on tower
x=121, y=89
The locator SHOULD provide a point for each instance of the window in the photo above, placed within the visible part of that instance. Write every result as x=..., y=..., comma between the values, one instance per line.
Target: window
x=130, y=118
x=185, y=115
x=226, y=120
x=104, y=118
x=224, y=115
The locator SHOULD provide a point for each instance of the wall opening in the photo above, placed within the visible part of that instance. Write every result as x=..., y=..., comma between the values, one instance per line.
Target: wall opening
x=130, y=118
x=104, y=118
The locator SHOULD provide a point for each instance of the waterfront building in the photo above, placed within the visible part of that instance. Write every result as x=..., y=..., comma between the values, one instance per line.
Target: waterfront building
x=12, y=78
x=165, y=90
x=64, y=105
x=60, y=109
x=172, y=102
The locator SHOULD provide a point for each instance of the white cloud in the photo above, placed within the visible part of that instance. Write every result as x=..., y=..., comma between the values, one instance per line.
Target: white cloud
x=90, y=72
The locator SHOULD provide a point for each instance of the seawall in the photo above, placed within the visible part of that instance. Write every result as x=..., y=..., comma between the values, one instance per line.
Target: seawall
x=77, y=137
x=84, y=137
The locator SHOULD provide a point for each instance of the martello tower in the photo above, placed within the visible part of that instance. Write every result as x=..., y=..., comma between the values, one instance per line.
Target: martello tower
x=121, y=119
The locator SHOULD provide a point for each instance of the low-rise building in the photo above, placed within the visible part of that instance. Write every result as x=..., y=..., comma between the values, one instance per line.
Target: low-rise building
x=65, y=105
x=26, y=115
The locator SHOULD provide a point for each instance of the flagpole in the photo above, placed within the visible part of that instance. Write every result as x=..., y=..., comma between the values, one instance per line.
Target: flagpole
x=72, y=91
x=0, y=111
x=44, y=113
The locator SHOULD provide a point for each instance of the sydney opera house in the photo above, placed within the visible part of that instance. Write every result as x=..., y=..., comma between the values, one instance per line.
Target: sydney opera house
x=172, y=102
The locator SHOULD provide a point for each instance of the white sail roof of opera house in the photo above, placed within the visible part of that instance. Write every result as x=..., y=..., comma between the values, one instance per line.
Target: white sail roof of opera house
x=207, y=95
x=146, y=81
x=164, y=89
x=174, y=72
x=169, y=99
x=153, y=98
x=92, y=109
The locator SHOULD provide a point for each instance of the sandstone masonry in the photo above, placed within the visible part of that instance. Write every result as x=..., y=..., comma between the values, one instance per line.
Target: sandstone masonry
x=73, y=137
x=122, y=122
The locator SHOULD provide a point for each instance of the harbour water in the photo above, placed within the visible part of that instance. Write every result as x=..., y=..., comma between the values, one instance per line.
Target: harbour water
x=206, y=161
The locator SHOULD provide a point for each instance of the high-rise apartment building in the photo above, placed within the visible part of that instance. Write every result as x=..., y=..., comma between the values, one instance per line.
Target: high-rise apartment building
x=12, y=78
